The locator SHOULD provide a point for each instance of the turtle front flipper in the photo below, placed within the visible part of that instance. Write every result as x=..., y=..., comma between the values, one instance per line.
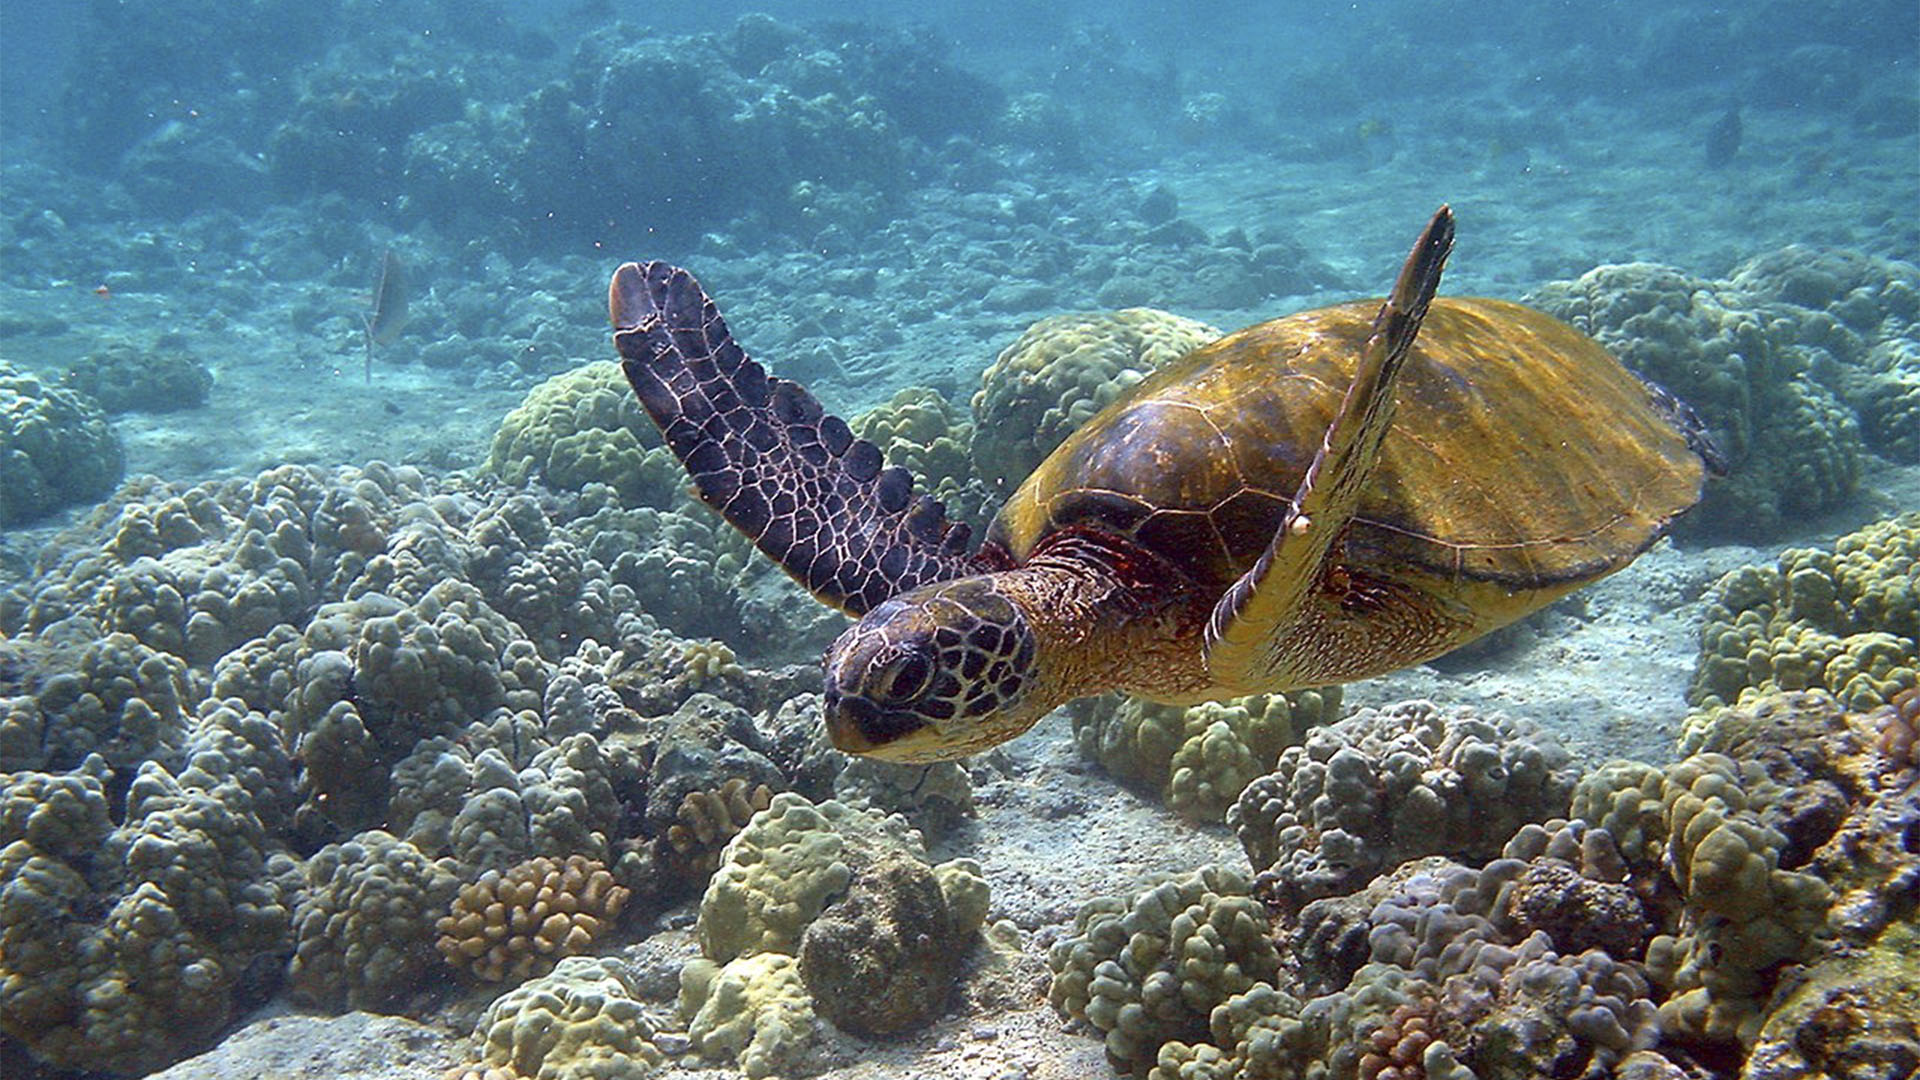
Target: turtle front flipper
x=762, y=451
x=1251, y=638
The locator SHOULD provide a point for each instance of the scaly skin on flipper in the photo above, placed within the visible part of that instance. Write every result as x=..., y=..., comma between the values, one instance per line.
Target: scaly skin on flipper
x=1254, y=623
x=762, y=452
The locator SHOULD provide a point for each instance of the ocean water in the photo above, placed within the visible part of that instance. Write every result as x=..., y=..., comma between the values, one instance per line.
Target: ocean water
x=339, y=569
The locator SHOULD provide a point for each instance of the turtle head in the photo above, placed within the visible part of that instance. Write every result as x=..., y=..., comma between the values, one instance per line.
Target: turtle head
x=934, y=674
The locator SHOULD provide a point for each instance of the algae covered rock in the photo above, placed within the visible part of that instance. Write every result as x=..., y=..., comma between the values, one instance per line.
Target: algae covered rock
x=56, y=448
x=123, y=378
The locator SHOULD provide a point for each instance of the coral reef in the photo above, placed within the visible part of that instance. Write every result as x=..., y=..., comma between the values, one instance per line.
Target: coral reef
x=824, y=910
x=1799, y=360
x=364, y=927
x=582, y=427
x=1060, y=372
x=1385, y=786
x=123, y=378
x=519, y=924
x=1148, y=968
x=131, y=932
x=581, y=1021
x=56, y=449
x=1199, y=758
x=1845, y=620
x=920, y=431
x=707, y=820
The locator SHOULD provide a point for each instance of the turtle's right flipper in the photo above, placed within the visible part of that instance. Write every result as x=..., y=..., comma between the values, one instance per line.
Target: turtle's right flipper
x=1252, y=641
x=762, y=452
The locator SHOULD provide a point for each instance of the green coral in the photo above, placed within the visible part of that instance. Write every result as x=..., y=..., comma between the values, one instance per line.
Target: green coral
x=1846, y=620
x=1149, y=967
x=1060, y=372
x=1198, y=757
x=56, y=449
x=585, y=427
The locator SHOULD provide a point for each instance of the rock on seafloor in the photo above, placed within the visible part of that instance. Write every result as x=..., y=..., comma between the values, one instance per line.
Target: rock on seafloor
x=354, y=1046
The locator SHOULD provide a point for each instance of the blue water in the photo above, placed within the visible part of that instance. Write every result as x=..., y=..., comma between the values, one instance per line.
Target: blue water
x=880, y=195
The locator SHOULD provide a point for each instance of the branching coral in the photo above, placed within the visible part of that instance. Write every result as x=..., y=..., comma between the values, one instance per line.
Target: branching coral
x=520, y=923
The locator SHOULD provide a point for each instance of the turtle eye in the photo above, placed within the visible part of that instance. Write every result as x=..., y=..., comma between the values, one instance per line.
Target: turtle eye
x=903, y=677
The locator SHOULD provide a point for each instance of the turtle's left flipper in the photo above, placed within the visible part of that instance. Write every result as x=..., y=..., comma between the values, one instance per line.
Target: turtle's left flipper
x=764, y=453
x=1249, y=635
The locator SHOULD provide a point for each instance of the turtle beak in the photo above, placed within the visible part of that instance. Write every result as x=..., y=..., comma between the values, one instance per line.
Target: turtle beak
x=858, y=726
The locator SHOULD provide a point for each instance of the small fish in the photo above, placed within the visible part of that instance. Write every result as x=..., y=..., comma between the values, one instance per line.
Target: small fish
x=1723, y=138
x=102, y=291
x=389, y=313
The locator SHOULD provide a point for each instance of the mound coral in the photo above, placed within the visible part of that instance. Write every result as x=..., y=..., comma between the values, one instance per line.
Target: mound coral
x=581, y=1021
x=128, y=935
x=1845, y=620
x=921, y=432
x=1060, y=372
x=122, y=378
x=1385, y=786
x=1149, y=967
x=1798, y=361
x=56, y=449
x=824, y=909
x=1199, y=757
x=582, y=427
x=519, y=924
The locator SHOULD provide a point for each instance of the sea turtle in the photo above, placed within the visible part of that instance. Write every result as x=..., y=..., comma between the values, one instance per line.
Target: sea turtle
x=1309, y=501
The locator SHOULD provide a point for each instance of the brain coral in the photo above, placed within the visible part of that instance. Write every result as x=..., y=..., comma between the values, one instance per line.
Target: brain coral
x=1798, y=361
x=1846, y=620
x=1060, y=372
x=56, y=448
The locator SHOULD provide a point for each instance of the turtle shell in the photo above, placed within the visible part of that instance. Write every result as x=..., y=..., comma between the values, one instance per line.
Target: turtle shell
x=1521, y=454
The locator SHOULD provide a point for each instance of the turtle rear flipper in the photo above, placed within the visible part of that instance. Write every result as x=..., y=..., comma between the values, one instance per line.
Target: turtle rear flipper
x=1250, y=634
x=762, y=451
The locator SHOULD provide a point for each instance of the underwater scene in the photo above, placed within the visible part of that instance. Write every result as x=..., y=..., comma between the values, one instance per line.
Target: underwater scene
x=578, y=540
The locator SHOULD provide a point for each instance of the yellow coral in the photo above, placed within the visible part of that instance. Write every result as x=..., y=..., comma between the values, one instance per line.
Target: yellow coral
x=1059, y=373
x=1845, y=620
x=584, y=426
